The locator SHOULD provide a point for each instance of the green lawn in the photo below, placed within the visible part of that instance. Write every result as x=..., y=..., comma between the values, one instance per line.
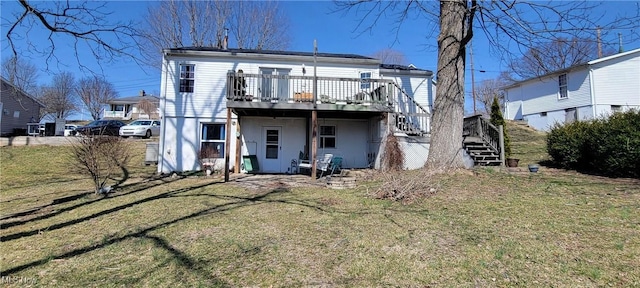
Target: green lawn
x=481, y=228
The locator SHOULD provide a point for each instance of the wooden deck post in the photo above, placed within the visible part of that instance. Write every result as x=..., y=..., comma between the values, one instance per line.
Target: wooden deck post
x=238, y=146
x=314, y=142
x=501, y=140
x=226, y=146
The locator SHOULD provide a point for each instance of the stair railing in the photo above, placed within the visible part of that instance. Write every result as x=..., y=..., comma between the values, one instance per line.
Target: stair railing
x=476, y=126
x=411, y=117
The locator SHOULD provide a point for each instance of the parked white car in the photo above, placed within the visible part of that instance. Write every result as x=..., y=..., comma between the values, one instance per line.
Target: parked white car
x=70, y=130
x=142, y=128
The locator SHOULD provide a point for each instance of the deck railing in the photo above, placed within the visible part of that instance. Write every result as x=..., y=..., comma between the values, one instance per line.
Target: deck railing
x=411, y=117
x=477, y=126
x=299, y=89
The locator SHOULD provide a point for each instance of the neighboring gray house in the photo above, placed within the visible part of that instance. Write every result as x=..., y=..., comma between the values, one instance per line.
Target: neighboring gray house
x=18, y=108
x=587, y=91
x=260, y=105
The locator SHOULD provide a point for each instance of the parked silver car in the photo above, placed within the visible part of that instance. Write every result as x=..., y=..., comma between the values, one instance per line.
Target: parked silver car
x=142, y=128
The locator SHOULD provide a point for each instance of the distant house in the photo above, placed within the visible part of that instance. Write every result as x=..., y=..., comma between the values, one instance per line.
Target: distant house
x=18, y=108
x=131, y=108
x=273, y=107
x=587, y=91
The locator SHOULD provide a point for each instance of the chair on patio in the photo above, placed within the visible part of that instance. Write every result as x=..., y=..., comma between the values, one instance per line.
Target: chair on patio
x=303, y=163
x=324, y=164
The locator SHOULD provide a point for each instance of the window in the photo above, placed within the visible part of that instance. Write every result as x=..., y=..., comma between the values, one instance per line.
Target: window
x=562, y=86
x=543, y=114
x=327, y=136
x=616, y=108
x=213, y=137
x=187, y=76
x=364, y=80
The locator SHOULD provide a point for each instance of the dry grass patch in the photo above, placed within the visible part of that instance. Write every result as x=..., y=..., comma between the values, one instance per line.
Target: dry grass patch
x=487, y=227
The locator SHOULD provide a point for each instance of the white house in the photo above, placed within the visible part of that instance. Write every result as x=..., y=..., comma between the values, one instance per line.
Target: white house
x=267, y=107
x=595, y=89
x=127, y=108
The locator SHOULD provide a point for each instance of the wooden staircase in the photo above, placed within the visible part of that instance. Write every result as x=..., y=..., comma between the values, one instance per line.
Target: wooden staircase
x=410, y=117
x=482, y=141
x=481, y=153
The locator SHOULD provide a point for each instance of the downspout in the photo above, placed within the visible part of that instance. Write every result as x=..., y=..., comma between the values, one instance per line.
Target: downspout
x=163, y=135
x=593, y=92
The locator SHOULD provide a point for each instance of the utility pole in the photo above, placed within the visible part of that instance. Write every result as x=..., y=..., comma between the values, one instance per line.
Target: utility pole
x=599, y=40
x=473, y=80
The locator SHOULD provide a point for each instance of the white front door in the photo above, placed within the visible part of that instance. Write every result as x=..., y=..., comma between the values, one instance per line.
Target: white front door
x=271, y=148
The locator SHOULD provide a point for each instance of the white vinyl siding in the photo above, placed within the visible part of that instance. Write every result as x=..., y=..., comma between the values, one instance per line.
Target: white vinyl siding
x=617, y=81
x=538, y=96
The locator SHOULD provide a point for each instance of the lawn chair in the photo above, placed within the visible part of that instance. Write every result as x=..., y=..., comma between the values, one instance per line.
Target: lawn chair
x=303, y=163
x=324, y=164
x=336, y=165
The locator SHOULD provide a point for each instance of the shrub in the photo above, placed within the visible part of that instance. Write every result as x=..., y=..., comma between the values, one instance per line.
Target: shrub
x=605, y=146
x=100, y=157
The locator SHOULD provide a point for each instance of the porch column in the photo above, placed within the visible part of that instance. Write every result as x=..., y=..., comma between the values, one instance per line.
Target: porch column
x=238, y=146
x=226, y=146
x=314, y=142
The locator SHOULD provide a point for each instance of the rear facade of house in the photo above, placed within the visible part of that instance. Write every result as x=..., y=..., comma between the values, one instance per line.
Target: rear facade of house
x=263, y=105
x=588, y=91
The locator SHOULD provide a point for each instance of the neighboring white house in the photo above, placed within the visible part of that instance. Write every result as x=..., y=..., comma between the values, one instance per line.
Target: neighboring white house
x=595, y=89
x=127, y=108
x=260, y=105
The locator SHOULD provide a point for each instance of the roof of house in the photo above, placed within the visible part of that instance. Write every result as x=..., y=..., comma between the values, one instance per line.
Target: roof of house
x=5, y=81
x=574, y=67
x=270, y=54
x=134, y=99
x=404, y=69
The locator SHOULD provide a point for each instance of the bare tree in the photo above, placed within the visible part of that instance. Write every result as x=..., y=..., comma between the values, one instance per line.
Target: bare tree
x=508, y=25
x=259, y=25
x=492, y=88
x=556, y=55
x=148, y=107
x=95, y=92
x=390, y=56
x=183, y=23
x=84, y=25
x=59, y=98
x=100, y=157
x=21, y=73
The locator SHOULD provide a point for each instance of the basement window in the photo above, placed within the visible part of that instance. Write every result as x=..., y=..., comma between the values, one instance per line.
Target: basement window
x=213, y=137
x=543, y=114
x=327, y=136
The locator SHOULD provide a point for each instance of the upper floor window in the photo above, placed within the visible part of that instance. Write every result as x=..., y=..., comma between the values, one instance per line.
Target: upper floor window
x=562, y=86
x=364, y=80
x=187, y=77
x=327, y=136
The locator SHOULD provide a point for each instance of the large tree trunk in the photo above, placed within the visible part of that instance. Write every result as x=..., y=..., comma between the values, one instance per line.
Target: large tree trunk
x=448, y=112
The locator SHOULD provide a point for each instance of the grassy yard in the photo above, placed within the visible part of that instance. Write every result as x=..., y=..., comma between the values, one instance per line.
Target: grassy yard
x=485, y=227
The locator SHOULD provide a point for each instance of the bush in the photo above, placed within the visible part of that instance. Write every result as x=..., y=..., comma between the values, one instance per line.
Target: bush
x=100, y=157
x=605, y=146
